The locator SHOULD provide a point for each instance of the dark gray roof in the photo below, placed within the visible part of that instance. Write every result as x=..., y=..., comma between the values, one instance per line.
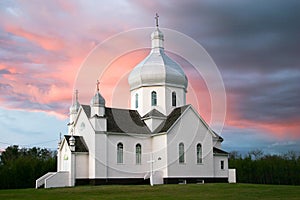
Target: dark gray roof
x=130, y=121
x=122, y=120
x=154, y=113
x=125, y=121
x=219, y=151
x=87, y=110
x=80, y=145
x=171, y=119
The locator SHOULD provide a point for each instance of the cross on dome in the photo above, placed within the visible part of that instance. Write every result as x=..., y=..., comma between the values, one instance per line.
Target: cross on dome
x=98, y=83
x=76, y=95
x=156, y=18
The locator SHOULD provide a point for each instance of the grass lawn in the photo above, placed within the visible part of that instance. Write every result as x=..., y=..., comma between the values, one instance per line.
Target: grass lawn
x=189, y=191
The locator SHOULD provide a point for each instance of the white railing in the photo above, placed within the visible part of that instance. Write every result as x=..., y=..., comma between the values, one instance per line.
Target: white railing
x=53, y=179
x=40, y=181
x=59, y=179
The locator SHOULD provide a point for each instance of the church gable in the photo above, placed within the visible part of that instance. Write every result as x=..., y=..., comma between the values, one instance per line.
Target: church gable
x=171, y=119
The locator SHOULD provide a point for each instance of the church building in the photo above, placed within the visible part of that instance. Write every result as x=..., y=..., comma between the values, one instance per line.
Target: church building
x=159, y=140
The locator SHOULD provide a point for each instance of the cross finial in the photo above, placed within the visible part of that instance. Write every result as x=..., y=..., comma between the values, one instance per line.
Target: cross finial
x=76, y=95
x=156, y=18
x=98, y=83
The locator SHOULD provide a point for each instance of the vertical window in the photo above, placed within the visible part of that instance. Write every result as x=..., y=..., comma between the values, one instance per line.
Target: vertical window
x=120, y=153
x=199, y=154
x=136, y=100
x=173, y=98
x=138, y=154
x=222, y=164
x=153, y=98
x=181, y=153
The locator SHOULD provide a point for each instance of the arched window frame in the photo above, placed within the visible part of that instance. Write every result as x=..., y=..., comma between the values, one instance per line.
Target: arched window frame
x=138, y=154
x=199, y=153
x=181, y=153
x=120, y=149
x=153, y=98
x=174, y=98
x=136, y=100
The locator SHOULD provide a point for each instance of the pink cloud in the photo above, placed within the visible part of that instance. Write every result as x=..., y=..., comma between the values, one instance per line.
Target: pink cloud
x=46, y=42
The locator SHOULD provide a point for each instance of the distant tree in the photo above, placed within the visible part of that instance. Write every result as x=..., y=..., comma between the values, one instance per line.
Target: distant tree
x=256, y=167
x=256, y=154
x=21, y=167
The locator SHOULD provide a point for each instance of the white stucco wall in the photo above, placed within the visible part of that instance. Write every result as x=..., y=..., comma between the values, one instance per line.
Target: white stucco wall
x=84, y=128
x=164, y=99
x=64, y=157
x=160, y=157
x=100, y=155
x=217, y=166
x=190, y=131
x=82, y=165
x=129, y=168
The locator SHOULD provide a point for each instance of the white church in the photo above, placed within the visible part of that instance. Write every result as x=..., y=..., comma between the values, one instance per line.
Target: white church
x=160, y=140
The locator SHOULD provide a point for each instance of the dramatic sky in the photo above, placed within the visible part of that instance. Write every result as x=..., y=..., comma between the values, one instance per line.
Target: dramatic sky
x=255, y=45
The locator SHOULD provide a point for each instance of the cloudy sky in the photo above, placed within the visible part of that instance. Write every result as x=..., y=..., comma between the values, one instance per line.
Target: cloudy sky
x=255, y=45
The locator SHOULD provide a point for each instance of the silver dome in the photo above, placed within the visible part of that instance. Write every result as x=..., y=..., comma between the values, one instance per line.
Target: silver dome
x=74, y=107
x=157, y=68
x=98, y=100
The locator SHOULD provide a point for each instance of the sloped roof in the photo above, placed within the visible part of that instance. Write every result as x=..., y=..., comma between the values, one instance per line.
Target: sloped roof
x=80, y=145
x=130, y=121
x=87, y=110
x=218, y=136
x=125, y=121
x=219, y=151
x=154, y=113
x=122, y=120
x=171, y=119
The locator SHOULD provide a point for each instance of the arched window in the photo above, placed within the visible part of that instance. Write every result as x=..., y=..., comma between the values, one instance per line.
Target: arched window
x=136, y=100
x=173, y=98
x=153, y=98
x=138, y=154
x=120, y=153
x=181, y=153
x=199, y=153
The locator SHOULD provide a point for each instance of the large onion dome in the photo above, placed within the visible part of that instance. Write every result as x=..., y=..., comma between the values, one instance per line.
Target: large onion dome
x=157, y=68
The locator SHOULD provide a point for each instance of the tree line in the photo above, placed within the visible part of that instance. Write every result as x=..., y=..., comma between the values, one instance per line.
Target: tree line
x=258, y=168
x=20, y=167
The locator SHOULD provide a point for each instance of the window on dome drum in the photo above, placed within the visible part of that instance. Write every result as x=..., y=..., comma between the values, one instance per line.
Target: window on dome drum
x=138, y=154
x=222, y=164
x=199, y=153
x=120, y=153
x=153, y=98
x=173, y=98
x=181, y=153
x=136, y=100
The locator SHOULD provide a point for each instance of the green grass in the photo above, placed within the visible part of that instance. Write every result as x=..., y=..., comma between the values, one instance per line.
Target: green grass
x=190, y=191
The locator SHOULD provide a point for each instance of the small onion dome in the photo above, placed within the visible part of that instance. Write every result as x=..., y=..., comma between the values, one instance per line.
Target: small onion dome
x=98, y=100
x=74, y=107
